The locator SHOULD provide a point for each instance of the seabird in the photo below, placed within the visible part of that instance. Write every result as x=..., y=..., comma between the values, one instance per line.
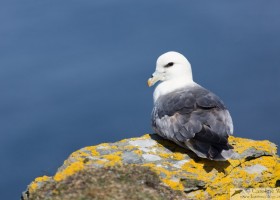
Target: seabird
x=188, y=114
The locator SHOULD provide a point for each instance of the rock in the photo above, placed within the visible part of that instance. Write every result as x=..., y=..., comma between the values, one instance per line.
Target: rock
x=172, y=172
x=106, y=183
x=255, y=169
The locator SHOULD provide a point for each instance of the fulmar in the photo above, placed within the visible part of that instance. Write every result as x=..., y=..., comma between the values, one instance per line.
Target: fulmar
x=188, y=114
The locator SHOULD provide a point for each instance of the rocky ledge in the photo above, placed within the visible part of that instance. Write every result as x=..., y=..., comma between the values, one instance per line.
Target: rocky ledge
x=150, y=167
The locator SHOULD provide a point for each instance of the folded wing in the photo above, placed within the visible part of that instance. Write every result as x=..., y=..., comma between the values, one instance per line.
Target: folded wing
x=196, y=119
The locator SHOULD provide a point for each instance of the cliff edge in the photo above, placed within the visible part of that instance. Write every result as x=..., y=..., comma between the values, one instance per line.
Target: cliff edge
x=150, y=167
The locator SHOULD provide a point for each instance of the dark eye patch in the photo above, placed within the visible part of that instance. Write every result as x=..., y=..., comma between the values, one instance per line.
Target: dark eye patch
x=169, y=64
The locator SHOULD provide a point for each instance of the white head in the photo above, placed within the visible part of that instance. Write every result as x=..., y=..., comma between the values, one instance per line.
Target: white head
x=173, y=70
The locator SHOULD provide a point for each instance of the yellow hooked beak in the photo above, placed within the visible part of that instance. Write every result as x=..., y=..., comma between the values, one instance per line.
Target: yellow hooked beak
x=150, y=82
x=155, y=78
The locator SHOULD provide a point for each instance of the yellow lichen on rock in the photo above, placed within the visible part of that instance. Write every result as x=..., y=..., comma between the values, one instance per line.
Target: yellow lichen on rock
x=113, y=159
x=167, y=179
x=92, y=150
x=33, y=186
x=175, y=185
x=69, y=170
x=178, y=156
x=254, y=165
x=263, y=145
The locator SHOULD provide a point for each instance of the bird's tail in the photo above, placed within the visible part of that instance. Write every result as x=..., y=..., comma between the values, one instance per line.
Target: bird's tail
x=210, y=150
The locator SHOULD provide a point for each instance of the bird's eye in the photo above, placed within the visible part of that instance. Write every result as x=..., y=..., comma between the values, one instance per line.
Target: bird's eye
x=169, y=64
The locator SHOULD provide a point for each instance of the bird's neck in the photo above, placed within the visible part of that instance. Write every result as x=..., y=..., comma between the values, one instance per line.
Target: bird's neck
x=168, y=86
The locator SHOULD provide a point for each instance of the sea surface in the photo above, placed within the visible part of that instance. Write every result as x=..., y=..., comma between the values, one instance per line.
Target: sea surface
x=73, y=73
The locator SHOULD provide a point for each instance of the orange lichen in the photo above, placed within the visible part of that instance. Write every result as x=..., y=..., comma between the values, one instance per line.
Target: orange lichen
x=146, y=136
x=129, y=147
x=165, y=155
x=68, y=171
x=263, y=145
x=178, y=156
x=33, y=186
x=173, y=184
x=79, y=155
x=138, y=152
x=113, y=159
x=92, y=150
x=175, y=156
x=176, y=185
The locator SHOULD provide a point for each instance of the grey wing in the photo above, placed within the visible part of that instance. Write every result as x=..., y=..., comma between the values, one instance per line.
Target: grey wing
x=195, y=118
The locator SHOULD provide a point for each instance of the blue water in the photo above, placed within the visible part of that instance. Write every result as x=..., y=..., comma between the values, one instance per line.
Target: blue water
x=73, y=73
